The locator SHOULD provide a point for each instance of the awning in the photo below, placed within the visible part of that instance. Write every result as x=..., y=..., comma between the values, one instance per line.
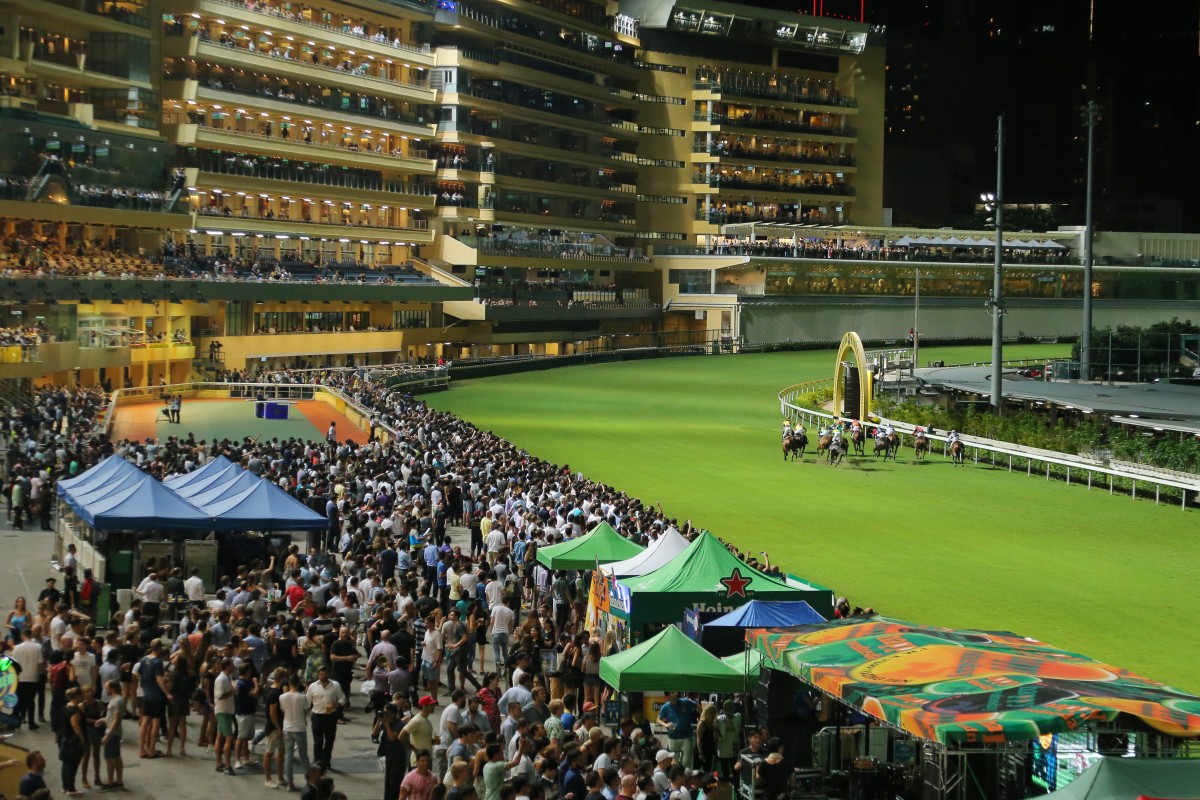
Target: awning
x=602, y=544
x=670, y=661
x=969, y=687
x=659, y=553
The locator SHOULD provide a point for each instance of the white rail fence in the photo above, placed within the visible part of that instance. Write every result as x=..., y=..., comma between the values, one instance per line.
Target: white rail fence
x=1093, y=471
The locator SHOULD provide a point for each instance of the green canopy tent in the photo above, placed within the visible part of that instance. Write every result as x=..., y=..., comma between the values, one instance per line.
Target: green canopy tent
x=669, y=661
x=602, y=544
x=748, y=663
x=708, y=575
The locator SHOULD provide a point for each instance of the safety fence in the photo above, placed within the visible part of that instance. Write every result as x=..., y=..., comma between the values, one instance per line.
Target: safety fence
x=1033, y=460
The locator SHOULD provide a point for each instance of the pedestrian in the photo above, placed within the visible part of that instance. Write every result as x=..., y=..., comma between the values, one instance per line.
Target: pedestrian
x=111, y=741
x=295, y=707
x=326, y=700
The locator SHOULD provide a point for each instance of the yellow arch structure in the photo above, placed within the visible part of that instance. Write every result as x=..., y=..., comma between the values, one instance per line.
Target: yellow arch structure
x=852, y=344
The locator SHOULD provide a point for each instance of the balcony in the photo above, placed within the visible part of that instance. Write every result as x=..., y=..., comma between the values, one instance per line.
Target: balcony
x=107, y=16
x=723, y=184
x=299, y=101
x=289, y=22
x=534, y=31
x=413, y=232
x=36, y=360
x=738, y=155
x=503, y=252
x=511, y=304
x=813, y=96
x=162, y=351
x=750, y=122
x=228, y=138
x=302, y=70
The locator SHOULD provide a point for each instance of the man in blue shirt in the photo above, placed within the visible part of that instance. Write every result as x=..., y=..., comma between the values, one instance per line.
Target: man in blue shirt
x=679, y=716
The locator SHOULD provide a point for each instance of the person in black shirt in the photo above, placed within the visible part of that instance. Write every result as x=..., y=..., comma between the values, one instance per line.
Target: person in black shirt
x=50, y=593
x=343, y=653
x=774, y=771
x=273, y=730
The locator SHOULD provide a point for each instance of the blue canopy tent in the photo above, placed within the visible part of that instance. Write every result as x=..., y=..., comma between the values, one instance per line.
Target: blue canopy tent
x=214, y=479
x=226, y=488
x=264, y=506
x=768, y=614
x=212, y=467
x=139, y=503
x=725, y=635
x=96, y=475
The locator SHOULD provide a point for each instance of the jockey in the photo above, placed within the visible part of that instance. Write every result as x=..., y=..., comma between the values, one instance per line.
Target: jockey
x=952, y=438
x=855, y=426
x=919, y=432
x=787, y=428
x=837, y=437
x=888, y=430
x=799, y=430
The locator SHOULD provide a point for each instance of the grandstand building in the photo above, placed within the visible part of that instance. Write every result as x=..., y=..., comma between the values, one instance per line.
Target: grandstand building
x=190, y=186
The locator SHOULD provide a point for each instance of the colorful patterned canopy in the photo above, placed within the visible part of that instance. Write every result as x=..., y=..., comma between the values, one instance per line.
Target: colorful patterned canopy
x=968, y=687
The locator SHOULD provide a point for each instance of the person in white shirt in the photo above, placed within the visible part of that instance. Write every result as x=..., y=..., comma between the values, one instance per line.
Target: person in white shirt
x=500, y=630
x=294, y=706
x=193, y=587
x=29, y=655
x=224, y=690
x=326, y=699
x=84, y=670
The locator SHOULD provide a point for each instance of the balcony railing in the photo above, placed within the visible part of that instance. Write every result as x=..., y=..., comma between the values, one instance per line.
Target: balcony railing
x=785, y=95
x=360, y=70
x=521, y=27
x=272, y=12
x=768, y=124
x=840, y=160
x=722, y=182
x=417, y=157
x=551, y=249
x=308, y=97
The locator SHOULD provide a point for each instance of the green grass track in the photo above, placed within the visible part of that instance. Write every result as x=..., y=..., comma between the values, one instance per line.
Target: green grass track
x=1103, y=575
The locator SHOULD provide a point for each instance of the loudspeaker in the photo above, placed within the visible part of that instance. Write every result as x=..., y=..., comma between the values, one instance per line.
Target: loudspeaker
x=776, y=702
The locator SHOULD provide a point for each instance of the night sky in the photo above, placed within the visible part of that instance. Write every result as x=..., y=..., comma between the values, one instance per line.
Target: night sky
x=955, y=64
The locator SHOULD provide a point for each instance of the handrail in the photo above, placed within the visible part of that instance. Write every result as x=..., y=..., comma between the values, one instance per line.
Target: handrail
x=242, y=51
x=995, y=447
x=300, y=21
x=177, y=119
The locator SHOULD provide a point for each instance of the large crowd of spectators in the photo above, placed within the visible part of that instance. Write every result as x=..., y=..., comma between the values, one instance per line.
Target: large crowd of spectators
x=476, y=632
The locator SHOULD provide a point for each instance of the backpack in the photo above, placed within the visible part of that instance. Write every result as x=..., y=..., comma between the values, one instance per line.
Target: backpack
x=60, y=676
x=87, y=590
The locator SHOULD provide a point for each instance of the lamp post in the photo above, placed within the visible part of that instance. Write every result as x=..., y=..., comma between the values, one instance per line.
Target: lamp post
x=1091, y=115
x=995, y=304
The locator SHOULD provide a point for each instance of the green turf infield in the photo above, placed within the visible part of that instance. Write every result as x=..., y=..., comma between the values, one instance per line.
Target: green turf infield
x=1107, y=576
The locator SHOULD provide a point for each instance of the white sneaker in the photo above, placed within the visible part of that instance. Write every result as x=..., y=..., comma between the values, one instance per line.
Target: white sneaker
x=238, y=765
x=271, y=784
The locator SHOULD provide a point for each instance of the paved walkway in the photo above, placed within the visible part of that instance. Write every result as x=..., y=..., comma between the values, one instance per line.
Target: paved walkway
x=24, y=567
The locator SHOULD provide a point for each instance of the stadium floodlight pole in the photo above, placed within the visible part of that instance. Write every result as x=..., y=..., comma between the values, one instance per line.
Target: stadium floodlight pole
x=912, y=370
x=1091, y=115
x=997, y=304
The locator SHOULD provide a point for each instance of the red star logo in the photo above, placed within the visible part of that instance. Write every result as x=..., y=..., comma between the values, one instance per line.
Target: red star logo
x=735, y=584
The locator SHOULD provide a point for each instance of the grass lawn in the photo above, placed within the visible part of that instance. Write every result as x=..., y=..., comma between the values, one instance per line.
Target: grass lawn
x=1103, y=575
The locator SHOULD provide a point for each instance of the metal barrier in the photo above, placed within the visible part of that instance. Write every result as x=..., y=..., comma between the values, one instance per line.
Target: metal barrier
x=1007, y=451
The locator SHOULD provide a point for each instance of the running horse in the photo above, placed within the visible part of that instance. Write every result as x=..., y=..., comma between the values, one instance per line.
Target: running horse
x=824, y=443
x=857, y=437
x=794, y=444
x=957, y=452
x=888, y=445
x=920, y=446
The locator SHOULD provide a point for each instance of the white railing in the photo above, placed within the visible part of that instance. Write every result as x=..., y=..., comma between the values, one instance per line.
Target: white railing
x=1087, y=468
